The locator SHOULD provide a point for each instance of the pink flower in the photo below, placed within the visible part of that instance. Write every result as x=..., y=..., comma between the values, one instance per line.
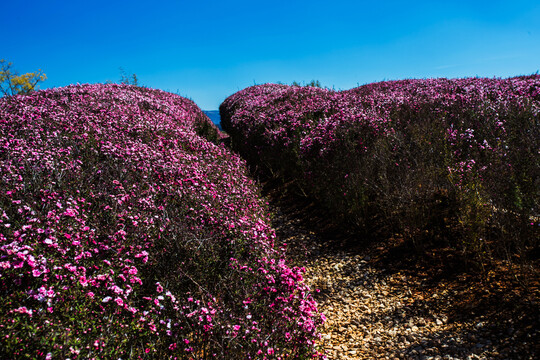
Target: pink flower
x=24, y=310
x=36, y=272
x=70, y=212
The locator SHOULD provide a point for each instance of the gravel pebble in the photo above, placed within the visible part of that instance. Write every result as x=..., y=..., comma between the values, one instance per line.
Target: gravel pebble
x=375, y=315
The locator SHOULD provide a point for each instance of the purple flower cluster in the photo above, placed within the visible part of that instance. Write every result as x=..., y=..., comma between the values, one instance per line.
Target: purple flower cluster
x=125, y=233
x=387, y=156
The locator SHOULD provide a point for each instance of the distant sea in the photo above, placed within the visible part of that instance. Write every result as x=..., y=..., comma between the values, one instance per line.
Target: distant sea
x=214, y=116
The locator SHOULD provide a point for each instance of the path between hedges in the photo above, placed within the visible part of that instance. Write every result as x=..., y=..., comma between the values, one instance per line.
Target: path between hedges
x=381, y=304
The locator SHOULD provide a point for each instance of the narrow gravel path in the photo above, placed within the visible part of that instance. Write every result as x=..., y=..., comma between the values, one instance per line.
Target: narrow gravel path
x=379, y=308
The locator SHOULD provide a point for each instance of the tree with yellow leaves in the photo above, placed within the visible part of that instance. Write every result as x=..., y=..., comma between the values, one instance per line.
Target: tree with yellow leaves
x=11, y=83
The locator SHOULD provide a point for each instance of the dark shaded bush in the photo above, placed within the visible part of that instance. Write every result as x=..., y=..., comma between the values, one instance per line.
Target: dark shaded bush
x=443, y=161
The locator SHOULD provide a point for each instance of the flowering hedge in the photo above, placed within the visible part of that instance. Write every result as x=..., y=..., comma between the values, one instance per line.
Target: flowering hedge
x=124, y=233
x=435, y=160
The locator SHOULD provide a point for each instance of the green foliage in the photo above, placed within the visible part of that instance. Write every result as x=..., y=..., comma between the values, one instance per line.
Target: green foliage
x=126, y=79
x=313, y=83
x=11, y=83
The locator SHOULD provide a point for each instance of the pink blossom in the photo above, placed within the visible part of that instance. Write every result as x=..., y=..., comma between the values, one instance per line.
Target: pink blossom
x=36, y=272
x=24, y=310
x=70, y=212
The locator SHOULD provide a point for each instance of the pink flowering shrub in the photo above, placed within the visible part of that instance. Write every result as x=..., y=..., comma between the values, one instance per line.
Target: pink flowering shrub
x=435, y=160
x=124, y=233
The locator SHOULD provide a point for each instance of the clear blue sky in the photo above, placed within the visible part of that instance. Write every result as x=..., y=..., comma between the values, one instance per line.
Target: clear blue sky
x=207, y=50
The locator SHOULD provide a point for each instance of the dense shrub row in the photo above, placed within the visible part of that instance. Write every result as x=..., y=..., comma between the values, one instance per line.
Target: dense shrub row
x=125, y=234
x=435, y=160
